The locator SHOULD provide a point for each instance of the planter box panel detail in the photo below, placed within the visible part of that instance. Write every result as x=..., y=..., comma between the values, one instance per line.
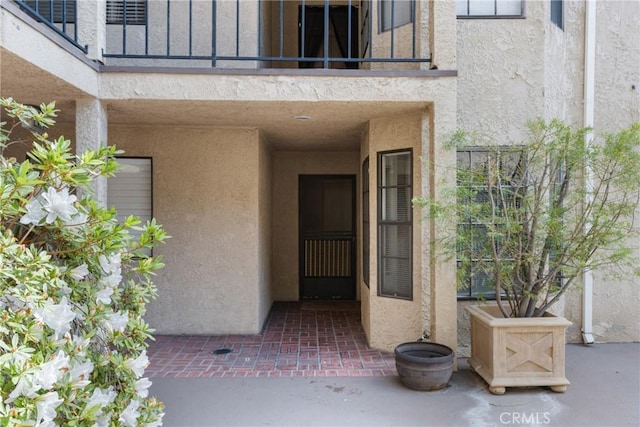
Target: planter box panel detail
x=518, y=351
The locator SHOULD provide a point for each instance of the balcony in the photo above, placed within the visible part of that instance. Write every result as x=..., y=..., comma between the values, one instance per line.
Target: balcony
x=245, y=34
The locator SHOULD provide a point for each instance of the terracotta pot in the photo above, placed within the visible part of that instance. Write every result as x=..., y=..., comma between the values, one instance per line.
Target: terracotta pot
x=424, y=366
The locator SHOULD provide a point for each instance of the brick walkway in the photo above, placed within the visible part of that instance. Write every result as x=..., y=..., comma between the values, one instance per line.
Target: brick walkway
x=298, y=340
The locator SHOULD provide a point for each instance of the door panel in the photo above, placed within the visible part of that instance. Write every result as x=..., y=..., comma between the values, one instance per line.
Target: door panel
x=327, y=236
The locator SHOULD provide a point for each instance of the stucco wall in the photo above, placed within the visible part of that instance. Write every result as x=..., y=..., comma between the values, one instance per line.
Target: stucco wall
x=264, y=217
x=501, y=72
x=207, y=196
x=616, y=314
x=393, y=321
x=564, y=65
x=503, y=65
x=364, y=288
x=287, y=166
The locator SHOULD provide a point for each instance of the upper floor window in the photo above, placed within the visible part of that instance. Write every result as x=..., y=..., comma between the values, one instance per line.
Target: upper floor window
x=557, y=13
x=133, y=12
x=395, y=13
x=55, y=11
x=489, y=8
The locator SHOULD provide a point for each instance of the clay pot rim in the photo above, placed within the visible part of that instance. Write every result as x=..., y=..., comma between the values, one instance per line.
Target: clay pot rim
x=445, y=353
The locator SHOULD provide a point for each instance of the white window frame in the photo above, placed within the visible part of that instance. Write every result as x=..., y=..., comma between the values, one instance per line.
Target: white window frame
x=490, y=9
x=390, y=204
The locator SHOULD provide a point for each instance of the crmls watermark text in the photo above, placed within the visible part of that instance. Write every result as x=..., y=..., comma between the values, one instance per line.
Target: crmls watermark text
x=525, y=418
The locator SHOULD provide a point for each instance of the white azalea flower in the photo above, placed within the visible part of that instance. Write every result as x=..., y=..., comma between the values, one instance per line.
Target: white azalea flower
x=139, y=364
x=103, y=420
x=80, y=374
x=118, y=321
x=50, y=372
x=112, y=280
x=58, y=204
x=27, y=386
x=50, y=205
x=156, y=423
x=104, y=295
x=56, y=316
x=80, y=344
x=129, y=416
x=110, y=264
x=35, y=213
x=46, y=406
x=142, y=387
x=100, y=398
x=79, y=272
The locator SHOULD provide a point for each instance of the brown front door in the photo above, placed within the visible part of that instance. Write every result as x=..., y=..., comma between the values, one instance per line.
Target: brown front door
x=327, y=236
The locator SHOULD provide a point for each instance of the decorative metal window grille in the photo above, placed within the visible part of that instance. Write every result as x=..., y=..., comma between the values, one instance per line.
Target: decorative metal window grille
x=395, y=224
x=473, y=165
x=55, y=11
x=489, y=8
x=129, y=12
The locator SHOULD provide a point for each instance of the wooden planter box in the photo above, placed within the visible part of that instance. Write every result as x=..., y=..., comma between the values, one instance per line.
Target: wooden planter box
x=517, y=352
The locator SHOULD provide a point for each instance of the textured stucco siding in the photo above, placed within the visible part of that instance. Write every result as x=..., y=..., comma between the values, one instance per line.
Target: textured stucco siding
x=616, y=315
x=501, y=72
x=365, y=288
x=206, y=195
x=393, y=321
x=511, y=71
x=287, y=167
x=265, y=191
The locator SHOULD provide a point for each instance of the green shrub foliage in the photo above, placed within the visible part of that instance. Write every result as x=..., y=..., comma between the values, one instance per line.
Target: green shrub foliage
x=74, y=284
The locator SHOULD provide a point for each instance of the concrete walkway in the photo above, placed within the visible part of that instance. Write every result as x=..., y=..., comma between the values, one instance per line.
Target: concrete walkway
x=604, y=391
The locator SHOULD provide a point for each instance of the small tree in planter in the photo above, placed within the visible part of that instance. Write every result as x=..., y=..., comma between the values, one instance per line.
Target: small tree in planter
x=73, y=289
x=531, y=219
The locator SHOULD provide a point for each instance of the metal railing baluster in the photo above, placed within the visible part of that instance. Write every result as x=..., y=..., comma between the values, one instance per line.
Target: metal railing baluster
x=214, y=31
x=168, y=27
x=124, y=27
x=326, y=34
x=190, y=27
x=63, y=13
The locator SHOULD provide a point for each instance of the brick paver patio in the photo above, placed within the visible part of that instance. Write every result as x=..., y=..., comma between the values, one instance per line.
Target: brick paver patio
x=298, y=340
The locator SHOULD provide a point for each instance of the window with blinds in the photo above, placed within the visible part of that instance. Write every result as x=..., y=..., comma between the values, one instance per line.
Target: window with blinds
x=55, y=11
x=130, y=190
x=489, y=9
x=473, y=192
x=395, y=13
x=131, y=12
x=395, y=224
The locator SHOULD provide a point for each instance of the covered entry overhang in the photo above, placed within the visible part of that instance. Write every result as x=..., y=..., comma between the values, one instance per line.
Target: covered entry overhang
x=224, y=145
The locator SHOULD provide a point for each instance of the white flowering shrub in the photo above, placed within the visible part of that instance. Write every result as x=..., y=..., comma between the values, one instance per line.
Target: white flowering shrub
x=73, y=288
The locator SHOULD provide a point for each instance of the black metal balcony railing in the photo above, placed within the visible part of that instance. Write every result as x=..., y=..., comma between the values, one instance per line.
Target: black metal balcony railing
x=278, y=33
x=59, y=15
